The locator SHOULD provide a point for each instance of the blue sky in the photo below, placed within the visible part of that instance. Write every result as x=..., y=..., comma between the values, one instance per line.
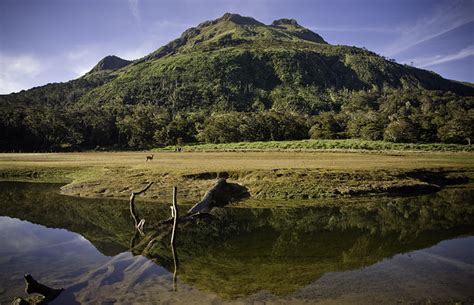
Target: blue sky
x=44, y=41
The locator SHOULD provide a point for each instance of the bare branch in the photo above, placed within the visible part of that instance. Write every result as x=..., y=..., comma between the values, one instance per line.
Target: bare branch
x=174, y=214
x=138, y=223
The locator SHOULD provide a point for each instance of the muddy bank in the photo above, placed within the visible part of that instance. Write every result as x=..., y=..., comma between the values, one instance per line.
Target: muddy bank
x=278, y=184
x=273, y=184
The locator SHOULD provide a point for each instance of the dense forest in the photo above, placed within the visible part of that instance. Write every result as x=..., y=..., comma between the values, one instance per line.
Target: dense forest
x=236, y=79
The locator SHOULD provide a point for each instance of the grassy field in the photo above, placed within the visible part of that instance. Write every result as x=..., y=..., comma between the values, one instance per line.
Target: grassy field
x=267, y=175
x=319, y=145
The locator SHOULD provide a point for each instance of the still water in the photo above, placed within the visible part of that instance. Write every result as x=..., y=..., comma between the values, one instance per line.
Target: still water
x=372, y=250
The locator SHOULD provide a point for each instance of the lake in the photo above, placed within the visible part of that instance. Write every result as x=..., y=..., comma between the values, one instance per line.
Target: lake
x=364, y=250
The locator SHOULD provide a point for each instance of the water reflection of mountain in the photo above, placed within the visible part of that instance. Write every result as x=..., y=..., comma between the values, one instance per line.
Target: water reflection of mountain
x=248, y=250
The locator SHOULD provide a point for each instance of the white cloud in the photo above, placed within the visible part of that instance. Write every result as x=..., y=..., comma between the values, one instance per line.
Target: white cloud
x=79, y=54
x=136, y=53
x=424, y=62
x=158, y=34
x=82, y=60
x=80, y=70
x=18, y=72
x=133, y=6
x=442, y=20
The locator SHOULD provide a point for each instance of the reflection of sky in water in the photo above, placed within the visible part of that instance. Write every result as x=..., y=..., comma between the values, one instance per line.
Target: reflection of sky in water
x=61, y=258
x=442, y=272
x=52, y=255
x=18, y=236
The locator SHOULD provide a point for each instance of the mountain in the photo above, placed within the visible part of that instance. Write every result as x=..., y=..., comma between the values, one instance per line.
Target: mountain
x=235, y=71
x=110, y=62
x=233, y=29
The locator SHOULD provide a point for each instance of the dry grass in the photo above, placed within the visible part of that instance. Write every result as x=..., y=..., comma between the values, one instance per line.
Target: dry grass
x=230, y=161
x=276, y=175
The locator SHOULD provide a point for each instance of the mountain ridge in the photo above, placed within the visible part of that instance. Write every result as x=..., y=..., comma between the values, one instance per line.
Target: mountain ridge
x=233, y=30
x=225, y=27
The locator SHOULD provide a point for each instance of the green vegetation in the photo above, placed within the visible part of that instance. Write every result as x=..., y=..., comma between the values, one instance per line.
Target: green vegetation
x=317, y=145
x=235, y=79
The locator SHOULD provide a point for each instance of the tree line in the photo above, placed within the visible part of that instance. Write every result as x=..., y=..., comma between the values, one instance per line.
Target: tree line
x=395, y=115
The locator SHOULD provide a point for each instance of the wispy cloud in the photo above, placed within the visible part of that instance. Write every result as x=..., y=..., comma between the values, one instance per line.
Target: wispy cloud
x=20, y=72
x=443, y=19
x=133, y=6
x=136, y=52
x=79, y=54
x=159, y=33
x=355, y=29
x=82, y=60
x=17, y=72
x=424, y=62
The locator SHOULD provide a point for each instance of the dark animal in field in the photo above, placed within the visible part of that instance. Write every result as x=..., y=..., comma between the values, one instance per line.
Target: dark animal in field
x=149, y=158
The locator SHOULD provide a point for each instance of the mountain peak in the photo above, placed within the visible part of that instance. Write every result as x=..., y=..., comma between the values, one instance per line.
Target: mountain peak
x=238, y=19
x=285, y=21
x=292, y=26
x=233, y=29
x=110, y=62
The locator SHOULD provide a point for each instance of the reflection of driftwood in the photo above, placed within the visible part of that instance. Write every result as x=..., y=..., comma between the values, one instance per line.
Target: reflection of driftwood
x=47, y=294
x=138, y=223
x=175, y=215
x=134, y=239
x=219, y=195
x=175, y=262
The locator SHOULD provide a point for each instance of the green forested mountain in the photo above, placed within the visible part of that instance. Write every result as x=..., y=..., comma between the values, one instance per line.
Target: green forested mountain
x=235, y=78
x=111, y=62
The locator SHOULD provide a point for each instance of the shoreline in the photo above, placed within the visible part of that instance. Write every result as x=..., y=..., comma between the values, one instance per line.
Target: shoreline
x=267, y=175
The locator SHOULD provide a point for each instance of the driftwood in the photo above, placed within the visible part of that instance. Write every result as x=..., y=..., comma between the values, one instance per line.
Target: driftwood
x=174, y=214
x=221, y=194
x=174, y=217
x=138, y=223
x=208, y=201
x=46, y=294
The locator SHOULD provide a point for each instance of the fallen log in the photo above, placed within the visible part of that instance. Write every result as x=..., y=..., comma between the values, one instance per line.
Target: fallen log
x=210, y=198
x=221, y=194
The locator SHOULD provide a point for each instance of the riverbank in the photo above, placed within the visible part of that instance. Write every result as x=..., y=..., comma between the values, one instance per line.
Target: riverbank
x=267, y=175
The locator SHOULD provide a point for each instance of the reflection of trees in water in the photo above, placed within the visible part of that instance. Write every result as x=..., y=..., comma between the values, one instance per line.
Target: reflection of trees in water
x=243, y=251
